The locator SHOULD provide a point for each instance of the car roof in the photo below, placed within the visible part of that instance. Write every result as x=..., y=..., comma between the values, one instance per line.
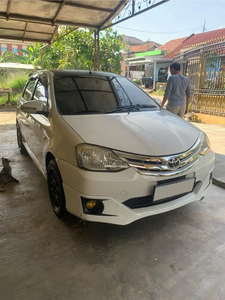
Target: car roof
x=76, y=73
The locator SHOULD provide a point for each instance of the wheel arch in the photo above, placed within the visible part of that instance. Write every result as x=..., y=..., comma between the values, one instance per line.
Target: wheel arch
x=49, y=156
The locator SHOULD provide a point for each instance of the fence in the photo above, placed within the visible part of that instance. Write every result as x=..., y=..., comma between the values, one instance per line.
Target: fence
x=205, y=67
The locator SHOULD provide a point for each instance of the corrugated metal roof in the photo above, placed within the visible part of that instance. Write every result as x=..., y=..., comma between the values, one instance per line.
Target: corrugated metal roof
x=142, y=48
x=173, y=44
x=37, y=20
x=197, y=40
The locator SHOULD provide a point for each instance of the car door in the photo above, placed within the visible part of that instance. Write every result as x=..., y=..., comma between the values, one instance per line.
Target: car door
x=40, y=123
x=23, y=118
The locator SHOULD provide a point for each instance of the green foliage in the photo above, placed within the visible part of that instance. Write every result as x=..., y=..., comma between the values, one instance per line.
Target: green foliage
x=13, y=98
x=3, y=98
x=138, y=81
x=74, y=51
x=3, y=79
x=158, y=93
x=18, y=82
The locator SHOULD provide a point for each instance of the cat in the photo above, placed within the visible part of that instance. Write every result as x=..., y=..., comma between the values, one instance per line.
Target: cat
x=6, y=174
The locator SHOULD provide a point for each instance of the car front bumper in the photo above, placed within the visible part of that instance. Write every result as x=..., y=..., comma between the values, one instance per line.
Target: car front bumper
x=114, y=189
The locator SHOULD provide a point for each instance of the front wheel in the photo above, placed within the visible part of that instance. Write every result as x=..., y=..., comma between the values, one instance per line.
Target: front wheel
x=147, y=85
x=21, y=147
x=55, y=189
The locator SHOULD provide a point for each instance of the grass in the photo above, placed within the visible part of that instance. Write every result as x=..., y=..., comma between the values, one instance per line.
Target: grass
x=159, y=93
x=13, y=98
x=18, y=82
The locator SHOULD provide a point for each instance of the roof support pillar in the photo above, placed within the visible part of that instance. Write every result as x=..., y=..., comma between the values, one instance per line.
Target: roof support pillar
x=97, y=51
x=154, y=79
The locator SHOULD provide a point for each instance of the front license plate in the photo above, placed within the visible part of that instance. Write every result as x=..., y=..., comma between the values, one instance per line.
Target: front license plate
x=174, y=189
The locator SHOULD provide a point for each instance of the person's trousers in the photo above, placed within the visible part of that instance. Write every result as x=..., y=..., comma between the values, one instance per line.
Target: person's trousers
x=177, y=110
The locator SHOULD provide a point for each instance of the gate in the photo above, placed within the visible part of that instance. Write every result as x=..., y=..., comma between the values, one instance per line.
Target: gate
x=205, y=68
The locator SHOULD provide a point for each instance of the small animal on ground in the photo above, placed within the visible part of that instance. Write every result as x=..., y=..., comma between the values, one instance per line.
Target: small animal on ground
x=6, y=174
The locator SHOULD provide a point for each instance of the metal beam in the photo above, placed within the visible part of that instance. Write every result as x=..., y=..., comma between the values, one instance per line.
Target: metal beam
x=119, y=7
x=97, y=51
x=25, y=39
x=22, y=30
x=58, y=38
x=54, y=32
x=133, y=14
x=78, y=5
x=58, y=12
x=25, y=30
x=46, y=21
x=8, y=9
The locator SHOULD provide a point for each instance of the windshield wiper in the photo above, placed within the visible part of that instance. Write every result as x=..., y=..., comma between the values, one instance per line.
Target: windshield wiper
x=146, y=106
x=125, y=108
x=131, y=107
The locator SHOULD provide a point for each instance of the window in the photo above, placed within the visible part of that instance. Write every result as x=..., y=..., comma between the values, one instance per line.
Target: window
x=25, y=48
x=15, y=49
x=4, y=47
x=135, y=94
x=91, y=94
x=40, y=92
x=29, y=89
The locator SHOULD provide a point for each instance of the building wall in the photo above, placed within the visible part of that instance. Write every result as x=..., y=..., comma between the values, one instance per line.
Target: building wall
x=13, y=46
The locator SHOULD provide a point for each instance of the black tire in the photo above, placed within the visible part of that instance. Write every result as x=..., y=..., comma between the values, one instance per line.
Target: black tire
x=21, y=147
x=55, y=189
x=147, y=85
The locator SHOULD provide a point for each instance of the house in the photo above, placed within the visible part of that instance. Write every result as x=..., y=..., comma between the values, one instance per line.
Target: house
x=13, y=46
x=195, y=41
x=131, y=41
x=135, y=52
x=202, y=59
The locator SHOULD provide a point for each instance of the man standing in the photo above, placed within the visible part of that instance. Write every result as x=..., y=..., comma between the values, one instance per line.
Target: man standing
x=178, y=87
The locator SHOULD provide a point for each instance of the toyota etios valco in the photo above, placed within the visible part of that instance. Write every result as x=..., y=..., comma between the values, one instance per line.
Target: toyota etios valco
x=109, y=152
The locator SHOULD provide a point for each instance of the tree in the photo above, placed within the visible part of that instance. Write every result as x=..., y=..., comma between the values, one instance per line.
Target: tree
x=76, y=51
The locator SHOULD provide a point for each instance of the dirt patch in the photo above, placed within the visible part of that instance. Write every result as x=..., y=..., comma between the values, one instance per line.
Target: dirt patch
x=7, y=120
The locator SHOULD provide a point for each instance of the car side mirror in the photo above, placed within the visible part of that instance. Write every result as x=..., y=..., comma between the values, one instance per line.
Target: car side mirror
x=34, y=107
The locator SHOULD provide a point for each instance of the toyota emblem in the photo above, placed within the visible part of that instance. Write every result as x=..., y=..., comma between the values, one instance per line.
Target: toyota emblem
x=173, y=163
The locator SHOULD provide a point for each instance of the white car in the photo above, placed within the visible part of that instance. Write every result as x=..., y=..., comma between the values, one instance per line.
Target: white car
x=109, y=152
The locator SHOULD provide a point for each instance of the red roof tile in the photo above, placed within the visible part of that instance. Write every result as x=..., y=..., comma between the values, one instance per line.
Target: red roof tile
x=142, y=48
x=173, y=44
x=200, y=39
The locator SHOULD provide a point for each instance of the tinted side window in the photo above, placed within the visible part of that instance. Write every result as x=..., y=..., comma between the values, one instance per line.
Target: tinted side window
x=135, y=94
x=29, y=89
x=40, y=92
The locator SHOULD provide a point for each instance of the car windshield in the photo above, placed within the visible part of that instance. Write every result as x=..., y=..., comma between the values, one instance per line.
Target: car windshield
x=99, y=95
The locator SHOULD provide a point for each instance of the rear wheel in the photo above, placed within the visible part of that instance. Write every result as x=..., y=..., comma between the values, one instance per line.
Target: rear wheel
x=147, y=85
x=55, y=189
x=21, y=147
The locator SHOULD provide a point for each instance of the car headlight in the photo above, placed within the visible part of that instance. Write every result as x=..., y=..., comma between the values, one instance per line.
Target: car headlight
x=205, y=143
x=96, y=158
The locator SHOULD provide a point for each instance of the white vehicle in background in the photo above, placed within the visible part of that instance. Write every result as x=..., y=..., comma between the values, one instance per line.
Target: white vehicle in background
x=109, y=152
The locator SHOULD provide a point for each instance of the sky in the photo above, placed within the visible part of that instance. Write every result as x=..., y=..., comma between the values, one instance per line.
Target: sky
x=175, y=19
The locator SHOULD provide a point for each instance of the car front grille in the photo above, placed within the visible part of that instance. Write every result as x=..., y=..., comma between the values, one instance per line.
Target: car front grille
x=163, y=166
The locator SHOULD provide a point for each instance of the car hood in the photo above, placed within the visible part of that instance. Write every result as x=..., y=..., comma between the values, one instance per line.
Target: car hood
x=154, y=133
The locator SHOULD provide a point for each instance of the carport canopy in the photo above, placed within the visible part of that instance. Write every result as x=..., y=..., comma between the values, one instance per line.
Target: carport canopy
x=38, y=20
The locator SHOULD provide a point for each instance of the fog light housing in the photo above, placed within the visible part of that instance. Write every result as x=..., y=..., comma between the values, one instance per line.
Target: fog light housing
x=92, y=206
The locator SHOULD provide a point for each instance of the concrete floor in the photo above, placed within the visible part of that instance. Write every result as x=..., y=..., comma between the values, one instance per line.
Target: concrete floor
x=173, y=256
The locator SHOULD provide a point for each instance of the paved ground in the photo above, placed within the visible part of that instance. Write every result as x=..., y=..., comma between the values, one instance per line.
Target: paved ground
x=176, y=255
x=216, y=134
